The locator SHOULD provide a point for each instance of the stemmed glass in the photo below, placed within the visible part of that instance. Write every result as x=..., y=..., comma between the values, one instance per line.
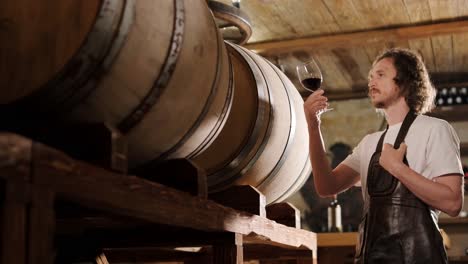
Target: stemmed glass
x=311, y=78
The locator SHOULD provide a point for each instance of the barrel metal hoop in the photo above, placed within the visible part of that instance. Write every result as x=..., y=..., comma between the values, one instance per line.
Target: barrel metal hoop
x=208, y=103
x=231, y=172
x=300, y=181
x=224, y=113
x=292, y=131
x=79, y=76
x=132, y=119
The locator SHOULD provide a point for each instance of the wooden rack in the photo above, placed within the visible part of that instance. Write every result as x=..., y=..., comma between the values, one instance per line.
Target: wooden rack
x=57, y=209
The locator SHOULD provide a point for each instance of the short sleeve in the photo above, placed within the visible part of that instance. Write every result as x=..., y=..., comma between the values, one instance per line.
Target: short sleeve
x=443, y=151
x=354, y=159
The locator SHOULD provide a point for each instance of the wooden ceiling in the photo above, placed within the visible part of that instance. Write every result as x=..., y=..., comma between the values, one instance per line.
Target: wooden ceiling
x=344, y=36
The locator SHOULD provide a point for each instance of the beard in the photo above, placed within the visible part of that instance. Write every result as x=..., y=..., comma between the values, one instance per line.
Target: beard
x=379, y=105
x=384, y=102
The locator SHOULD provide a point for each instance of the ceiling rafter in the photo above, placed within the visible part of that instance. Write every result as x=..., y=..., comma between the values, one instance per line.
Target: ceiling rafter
x=371, y=37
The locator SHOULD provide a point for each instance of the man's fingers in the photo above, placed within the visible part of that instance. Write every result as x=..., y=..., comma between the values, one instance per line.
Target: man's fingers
x=386, y=145
x=402, y=148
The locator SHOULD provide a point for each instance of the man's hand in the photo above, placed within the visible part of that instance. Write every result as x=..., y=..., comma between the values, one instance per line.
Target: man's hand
x=392, y=159
x=314, y=106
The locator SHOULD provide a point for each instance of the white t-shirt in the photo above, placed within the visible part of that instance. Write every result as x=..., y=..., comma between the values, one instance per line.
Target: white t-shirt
x=433, y=149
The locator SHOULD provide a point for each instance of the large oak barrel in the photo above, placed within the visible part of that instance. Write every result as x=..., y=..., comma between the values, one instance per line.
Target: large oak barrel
x=156, y=70
x=160, y=72
x=264, y=142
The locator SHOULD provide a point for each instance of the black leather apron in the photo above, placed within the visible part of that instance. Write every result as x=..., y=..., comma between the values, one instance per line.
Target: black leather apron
x=397, y=227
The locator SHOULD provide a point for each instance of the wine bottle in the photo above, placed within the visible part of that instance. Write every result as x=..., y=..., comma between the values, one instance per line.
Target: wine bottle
x=451, y=98
x=464, y=95
x=334, y=216
x=443, y=96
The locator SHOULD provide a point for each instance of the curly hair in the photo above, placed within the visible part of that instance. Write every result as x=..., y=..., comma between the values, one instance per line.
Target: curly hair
x=412, y=78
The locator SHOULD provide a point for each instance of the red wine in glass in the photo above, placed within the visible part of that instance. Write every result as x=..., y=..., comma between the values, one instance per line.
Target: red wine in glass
x=311, y=77
x=312, y=83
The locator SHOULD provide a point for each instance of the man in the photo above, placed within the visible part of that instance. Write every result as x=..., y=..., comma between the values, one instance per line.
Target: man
x=408, y=172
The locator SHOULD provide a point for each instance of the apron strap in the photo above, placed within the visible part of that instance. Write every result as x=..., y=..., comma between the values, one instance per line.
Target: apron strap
x=409, y=118
x=380, y=144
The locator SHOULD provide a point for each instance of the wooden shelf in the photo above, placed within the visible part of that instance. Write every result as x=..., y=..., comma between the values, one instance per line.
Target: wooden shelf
x=34, y=177
x=451, y=113
x=453, y=221
x=337, y=239
x=458, y=259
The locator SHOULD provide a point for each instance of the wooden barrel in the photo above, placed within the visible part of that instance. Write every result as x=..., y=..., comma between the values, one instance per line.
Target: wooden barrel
x=264, y=142
x=157, y=70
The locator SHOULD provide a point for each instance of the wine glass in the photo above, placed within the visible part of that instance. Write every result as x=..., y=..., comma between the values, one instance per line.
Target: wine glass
x=311, y=78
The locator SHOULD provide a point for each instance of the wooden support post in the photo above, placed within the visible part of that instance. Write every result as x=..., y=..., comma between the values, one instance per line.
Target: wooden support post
x=245, y=198
x=181, y=174
x=15, y=196
x=284, y=213
x=97, y=143
x=14, y=218
x=230, y=251
x=41, y=227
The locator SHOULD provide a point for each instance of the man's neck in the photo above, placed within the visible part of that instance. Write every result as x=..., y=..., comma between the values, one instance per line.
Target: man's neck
x=396, y=112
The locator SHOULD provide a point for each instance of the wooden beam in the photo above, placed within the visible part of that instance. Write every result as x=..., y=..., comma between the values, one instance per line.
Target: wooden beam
x=363, y=38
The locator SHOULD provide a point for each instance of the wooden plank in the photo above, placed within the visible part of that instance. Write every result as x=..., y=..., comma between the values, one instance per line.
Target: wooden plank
x=15, y=153
x=460, y=52
x=278, y=19
x=345, y=14
x=41, y=227
x=14, y=222
x=96, y=143
x=424, y=48
x=244, y=198
x=334, y=78
x=460, y=47
x=328, y=255
x=442, y=9
x=419, y=10
x=336, y=239
x=377, y=14
x=442, y=45
x=443, y=53
x=284, y=213
x=181, y=174
x=453, y=221
x=230, y=251
x=140, y=199
x=356, y=63
x=266, y=252
x=365, y=38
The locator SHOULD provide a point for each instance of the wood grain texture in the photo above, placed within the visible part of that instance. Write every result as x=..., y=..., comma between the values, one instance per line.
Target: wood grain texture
x=364, y=38
x=381, y=13
x=37, y=39
x=140, y=199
